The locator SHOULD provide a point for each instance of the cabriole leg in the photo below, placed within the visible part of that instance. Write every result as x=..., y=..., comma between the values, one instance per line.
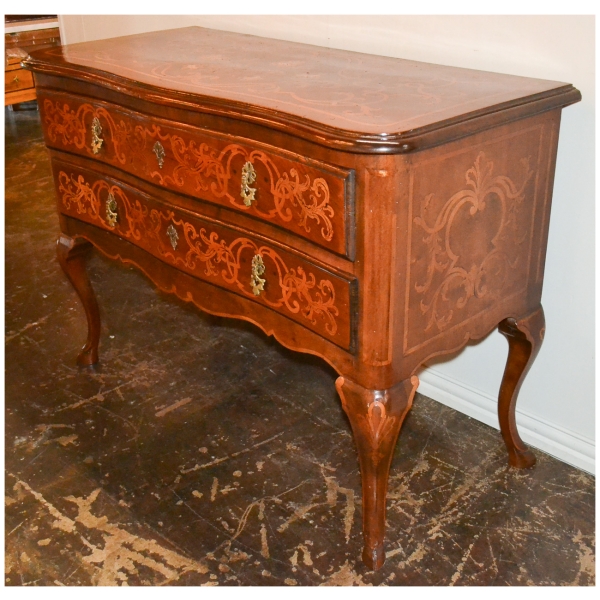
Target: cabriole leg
x=72, y=254
x=376, y=417
x=525, y=338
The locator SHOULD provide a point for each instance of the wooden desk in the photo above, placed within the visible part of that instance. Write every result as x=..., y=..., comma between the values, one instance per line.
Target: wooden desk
x=372, y=211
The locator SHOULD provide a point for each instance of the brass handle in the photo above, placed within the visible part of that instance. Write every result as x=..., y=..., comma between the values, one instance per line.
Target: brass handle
x=160, y=154
x=258, y=269
x=111, y=210
x=173, y=237
x=96, y=133
x=16, y=79
x=248, y=177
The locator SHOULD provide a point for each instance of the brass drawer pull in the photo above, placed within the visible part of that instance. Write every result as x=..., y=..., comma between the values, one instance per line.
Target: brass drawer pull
x=16, y=79
x=97, y=141
x=258, y=269
x=160, y=154
x=173, y=237
x=248, y=177
x=111, y=210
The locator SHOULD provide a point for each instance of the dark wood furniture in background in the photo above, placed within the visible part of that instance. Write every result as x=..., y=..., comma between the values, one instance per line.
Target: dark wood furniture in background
x=372, y=211
x=25, y=33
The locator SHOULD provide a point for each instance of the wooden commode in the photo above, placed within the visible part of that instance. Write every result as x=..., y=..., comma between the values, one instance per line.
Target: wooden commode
x=373, y=211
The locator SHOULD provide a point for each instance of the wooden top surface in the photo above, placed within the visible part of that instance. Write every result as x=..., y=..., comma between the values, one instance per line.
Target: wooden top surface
x=334, y=90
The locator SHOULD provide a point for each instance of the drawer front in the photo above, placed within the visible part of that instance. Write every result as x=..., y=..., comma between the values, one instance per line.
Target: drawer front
x=230, y=258
x=19, y=79
x=36, y=39
x=303, y=196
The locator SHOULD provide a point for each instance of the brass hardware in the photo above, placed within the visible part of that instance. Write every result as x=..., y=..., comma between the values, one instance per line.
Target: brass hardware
x=258, y=269
x=172, y=233
x=111, y=210
x=97, y=141
x=248, y=177
x=16, y=79
x=160, y=154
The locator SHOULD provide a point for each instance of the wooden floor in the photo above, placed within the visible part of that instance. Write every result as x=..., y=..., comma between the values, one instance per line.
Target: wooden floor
x=199, y=452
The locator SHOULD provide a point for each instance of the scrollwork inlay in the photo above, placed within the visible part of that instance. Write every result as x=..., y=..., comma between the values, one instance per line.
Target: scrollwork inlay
x=486, y=279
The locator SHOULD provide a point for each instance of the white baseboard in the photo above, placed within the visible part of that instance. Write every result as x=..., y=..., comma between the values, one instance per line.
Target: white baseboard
x=561, y=443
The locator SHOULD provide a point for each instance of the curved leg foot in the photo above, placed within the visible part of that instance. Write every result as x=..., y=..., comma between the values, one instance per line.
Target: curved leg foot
x=376, y=417
x=71, y=256
x=525, y=338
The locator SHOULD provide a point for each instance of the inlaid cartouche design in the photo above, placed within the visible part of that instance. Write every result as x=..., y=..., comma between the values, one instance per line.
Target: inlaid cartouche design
x=287, y=192
x=470, y=240
x=488, y=277
x=205, y=253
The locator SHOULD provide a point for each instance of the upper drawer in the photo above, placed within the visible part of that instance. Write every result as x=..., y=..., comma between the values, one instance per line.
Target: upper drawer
x=18, y=79
x=304, y=196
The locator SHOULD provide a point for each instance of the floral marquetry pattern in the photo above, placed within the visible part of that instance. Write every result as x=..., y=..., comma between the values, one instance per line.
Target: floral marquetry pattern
x=204, y=252
x=452, y=277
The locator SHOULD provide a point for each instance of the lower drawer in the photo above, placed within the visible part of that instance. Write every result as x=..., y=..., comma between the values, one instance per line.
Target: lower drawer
x=229, y=257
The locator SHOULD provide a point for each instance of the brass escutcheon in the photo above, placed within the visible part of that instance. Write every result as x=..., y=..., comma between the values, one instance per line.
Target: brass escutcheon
x=97, y=141
x=258, y=269
x=111, y=210
x=248, y=177
x=160, y=154
x=16, y=79
x=173, y=237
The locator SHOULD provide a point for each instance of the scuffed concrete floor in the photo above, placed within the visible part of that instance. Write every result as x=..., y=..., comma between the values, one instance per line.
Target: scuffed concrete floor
x=201, y=453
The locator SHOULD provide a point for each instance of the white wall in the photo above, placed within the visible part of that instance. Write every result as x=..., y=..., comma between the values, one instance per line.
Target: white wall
x=556, y=405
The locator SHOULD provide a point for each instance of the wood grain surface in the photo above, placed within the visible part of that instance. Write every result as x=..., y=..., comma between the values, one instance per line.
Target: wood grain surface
x=371, y=99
